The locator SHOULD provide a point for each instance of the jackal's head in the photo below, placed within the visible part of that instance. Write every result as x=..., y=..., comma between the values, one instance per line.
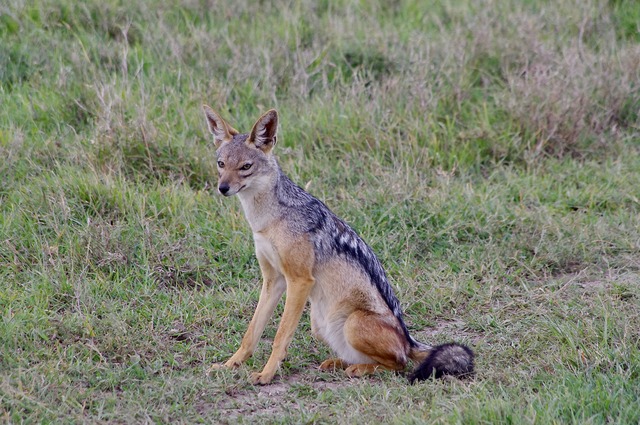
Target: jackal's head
x=245, y=162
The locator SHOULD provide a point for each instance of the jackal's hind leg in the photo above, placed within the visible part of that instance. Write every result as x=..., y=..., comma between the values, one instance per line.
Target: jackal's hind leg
x=377, y=337
x=358, y=370
x=333, y=364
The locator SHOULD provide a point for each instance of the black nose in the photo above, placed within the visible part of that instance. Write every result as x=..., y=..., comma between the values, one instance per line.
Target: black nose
x=223, y=188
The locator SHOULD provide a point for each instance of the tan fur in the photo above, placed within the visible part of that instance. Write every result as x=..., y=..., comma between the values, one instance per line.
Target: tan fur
x=418, y=356
x=347, y=311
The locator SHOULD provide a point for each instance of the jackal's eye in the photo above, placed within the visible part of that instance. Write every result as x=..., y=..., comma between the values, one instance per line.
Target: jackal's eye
x=246, y=166
x=220, y=164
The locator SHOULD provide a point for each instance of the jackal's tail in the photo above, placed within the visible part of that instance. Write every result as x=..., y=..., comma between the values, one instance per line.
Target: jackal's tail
x=446, y=359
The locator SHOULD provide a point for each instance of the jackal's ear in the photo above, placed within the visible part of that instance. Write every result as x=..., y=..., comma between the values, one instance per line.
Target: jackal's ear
x=263, y=134
x=222, y=132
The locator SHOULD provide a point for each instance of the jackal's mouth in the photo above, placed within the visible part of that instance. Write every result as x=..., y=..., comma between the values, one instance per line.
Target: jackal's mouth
x=229, y=193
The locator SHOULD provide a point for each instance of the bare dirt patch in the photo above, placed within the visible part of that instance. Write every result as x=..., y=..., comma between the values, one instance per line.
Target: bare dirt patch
x=279, y=397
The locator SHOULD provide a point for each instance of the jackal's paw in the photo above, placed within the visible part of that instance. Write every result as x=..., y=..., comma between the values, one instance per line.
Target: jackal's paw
x=216, y=366
x=232, y=364
x=260, y=378
x=359, y=370
x=222, y=366
x=332, y=364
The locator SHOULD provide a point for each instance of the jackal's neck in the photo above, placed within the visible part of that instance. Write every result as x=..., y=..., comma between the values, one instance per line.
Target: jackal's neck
x=260, y=202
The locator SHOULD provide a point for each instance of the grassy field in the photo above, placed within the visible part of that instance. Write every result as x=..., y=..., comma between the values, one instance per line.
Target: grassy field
x=487, y=151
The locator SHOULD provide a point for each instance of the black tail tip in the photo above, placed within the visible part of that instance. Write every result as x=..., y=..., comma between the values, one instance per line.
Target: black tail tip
x=446, y=359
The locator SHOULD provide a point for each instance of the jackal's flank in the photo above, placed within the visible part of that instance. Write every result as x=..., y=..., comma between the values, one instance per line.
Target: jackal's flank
x=305, y=250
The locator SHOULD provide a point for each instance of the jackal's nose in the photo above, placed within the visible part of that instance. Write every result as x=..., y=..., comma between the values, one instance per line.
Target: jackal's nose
x=223, y=188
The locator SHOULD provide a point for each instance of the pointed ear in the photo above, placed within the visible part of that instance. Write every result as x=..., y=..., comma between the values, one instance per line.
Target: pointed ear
x=263, y=134
x=222, y=132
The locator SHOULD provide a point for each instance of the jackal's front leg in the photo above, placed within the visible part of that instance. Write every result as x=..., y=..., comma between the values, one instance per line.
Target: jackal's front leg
x=297, y=295
x=273, y=287
x=297, y=266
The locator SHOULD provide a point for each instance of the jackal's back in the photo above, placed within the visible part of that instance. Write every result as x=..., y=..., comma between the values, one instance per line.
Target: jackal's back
x=332, y=237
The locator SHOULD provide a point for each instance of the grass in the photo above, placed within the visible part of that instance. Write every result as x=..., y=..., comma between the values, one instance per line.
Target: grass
x=488, y=151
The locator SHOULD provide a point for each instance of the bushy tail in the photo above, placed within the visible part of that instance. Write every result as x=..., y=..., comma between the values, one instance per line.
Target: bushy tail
x=447, y=359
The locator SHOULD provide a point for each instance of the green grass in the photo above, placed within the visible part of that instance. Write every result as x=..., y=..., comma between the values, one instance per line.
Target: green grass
x=488, y=151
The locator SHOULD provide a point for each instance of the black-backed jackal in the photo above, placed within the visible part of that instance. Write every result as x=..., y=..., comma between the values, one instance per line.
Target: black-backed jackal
x=305, y=250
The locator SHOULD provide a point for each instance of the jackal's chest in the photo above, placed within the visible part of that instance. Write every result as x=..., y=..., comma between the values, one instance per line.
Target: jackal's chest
x=266, y=250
